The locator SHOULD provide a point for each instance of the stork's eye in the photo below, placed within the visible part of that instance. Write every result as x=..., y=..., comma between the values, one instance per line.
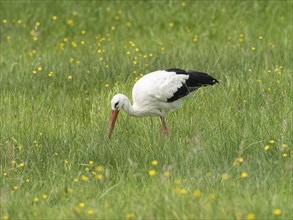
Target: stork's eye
x=116, y=105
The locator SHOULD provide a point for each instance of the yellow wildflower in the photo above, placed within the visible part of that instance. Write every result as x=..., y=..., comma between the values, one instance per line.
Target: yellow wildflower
x=99, y=168
x=209, y=174
x=244, y=174
x=267, y=147
x=212, y=196
x=44, y=196
x=152, y=173
x=154, y=163
x=238, y=161
x=225, y=176
x=81, y=204
x=90, y=211
x=84, y=178
x=131, y=43
x=284, y=145
x=21, y=164
x=54, y=17
x=99, y=176
x=180, y=191
x=70, y=22
x=73, y=44
x=250, y=216
x=197, y=193
x=277, y=211
x=178, y=181
x=130, y=215
x=36, y=199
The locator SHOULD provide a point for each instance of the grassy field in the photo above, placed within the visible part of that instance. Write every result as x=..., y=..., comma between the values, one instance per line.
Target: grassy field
x=229, y=152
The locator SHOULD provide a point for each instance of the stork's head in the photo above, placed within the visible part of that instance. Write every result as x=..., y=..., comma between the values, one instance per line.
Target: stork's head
x=118, y=102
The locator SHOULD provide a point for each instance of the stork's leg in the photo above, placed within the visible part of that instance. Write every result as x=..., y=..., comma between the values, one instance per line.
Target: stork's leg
x=164, y=126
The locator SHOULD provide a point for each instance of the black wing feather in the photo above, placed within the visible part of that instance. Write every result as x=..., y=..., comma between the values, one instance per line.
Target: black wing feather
x=196, y=80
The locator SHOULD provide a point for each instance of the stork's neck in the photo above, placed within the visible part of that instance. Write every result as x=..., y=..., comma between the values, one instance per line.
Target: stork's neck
x=130, y=109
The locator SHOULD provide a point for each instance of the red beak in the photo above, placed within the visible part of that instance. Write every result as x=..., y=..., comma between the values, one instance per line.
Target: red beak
x=112, y=121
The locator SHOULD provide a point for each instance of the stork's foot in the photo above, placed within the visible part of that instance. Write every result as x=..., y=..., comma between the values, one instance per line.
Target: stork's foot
x=164, y=132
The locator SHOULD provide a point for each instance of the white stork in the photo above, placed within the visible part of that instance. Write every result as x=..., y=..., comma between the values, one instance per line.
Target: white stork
x=158, y=92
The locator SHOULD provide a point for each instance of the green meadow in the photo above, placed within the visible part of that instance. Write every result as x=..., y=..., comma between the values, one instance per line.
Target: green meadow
x=228, y=154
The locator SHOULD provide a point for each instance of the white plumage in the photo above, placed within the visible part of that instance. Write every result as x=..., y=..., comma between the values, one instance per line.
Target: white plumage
x=151, y=92
x=159, y=92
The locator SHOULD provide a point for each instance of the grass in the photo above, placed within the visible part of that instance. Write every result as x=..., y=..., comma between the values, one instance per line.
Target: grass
x=229, y=152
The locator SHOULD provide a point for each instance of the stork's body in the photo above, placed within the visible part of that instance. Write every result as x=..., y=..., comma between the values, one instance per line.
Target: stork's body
x=159, y=92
